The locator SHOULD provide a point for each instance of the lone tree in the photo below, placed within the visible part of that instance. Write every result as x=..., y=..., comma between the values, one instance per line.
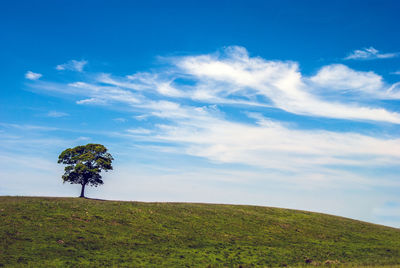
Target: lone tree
x=84, y=164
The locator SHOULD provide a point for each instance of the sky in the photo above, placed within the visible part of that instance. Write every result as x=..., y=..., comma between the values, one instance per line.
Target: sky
x=291, y=104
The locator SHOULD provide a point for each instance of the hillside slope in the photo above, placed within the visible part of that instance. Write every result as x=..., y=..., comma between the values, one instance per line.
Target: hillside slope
x=37, y=232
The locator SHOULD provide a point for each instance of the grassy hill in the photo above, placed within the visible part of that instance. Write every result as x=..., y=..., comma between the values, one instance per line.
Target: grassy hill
x=42, y=232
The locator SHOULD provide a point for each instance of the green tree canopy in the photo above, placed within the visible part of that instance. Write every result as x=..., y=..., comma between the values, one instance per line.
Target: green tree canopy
x=84, y=164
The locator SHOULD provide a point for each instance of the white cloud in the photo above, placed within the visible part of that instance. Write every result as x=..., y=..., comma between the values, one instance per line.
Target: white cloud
x=281, y=82
x=235, y=78
x=141, y=117
x=27, y=127
x=92, y=101
x=369, y=54
x=341, y=77
x=139, y=131
x=144, y=81
x=124, y=83
x=83, y=138
x=32, y=76
x=56, y=114
x=72, y=65
x=104, y=94
x=206, y=133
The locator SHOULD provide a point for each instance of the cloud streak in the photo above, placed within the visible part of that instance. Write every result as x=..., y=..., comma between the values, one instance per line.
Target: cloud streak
x=72, y=65
x=369, y=54
x=204, y=132
x=56, y=114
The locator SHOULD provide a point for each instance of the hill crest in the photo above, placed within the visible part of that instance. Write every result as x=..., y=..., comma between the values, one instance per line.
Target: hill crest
x=77, y=232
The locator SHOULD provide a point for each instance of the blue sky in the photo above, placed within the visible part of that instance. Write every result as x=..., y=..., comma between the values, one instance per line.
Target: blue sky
x=279, y=103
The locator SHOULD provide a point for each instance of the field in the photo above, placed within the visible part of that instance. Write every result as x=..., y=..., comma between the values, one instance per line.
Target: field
x=76, y=232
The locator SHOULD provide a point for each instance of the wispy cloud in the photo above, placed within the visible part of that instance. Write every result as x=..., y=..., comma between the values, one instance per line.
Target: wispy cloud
x=369, y=54
x=32, y=76
x=189, y=115
x=27, y=127
x=144, y=81
x=139, y=131
x=94, y=101
x=104, y=94
x=234, y=78
x=56, y=114
x=340, y=77
x=280, y=82
x=72, y=65
x=205, y=132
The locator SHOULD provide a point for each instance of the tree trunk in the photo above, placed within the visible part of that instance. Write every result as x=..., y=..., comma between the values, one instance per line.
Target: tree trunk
x=83, y=190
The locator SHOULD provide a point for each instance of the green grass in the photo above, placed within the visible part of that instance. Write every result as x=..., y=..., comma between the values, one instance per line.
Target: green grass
x=74, y=232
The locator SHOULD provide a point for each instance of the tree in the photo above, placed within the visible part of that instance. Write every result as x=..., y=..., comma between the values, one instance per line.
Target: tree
x=84, y=164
